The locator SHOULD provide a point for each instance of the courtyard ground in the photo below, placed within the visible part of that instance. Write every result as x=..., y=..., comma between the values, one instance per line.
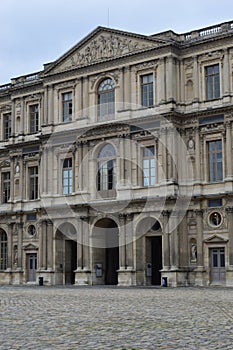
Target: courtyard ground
x=39, y=317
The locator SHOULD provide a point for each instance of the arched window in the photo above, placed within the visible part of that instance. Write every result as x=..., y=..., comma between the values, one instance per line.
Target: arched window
x=3, y=250
x=106, y=168
x=106, y=98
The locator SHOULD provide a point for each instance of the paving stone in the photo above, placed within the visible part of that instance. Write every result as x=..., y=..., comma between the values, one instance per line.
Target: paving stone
x=103, y=318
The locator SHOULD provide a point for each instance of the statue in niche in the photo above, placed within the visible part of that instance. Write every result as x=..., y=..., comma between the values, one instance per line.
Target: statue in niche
x=193, y=252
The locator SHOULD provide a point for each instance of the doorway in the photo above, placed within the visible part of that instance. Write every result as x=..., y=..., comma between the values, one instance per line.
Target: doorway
x=218, y=270
x=70, y=261
x=154, y=259
x=112, y=265
x=32, y=267
x=106, y=251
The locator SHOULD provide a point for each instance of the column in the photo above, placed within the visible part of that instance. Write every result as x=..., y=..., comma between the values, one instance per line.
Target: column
x=122, y=242
x=166, y=240
x=226, y=75
x=50, y=104
x=85, y=95
x=199, y=218
x=170, y=79
x=195, y=79
x=229, y=212
x=9, y=245
x=43, y=246
x=163, y=155
x=79, y=244
x=86, y=242
x=127, y=87
x=40, y=257
x=174, y=243
x=13, y=119
x=228, y=160
x=20, y=245
x=161, y=79
x=49, y=245
x=12, y=191
x=129, y=240
x=197, y=156
x=44, y=121
x=181, y=80
x=120, y=102
x=79, y=95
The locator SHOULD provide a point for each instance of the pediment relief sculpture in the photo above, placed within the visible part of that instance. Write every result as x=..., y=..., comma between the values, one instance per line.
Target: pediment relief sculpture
x=105, y=45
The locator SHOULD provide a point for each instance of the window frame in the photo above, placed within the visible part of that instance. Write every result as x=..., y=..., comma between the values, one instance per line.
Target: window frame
x=3, y=250
x=6, y=186
x=106, y=99
x=69, y=171
x=145, y=100
x=33, y=126
x=106, y=171
x=33, y=182
x=7, y=126
x=67, y=106
x=150, y=158
x=212, y=88
x=213, y=163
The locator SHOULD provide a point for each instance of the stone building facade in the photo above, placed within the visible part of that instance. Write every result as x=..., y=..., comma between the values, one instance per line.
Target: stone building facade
x=116, y=163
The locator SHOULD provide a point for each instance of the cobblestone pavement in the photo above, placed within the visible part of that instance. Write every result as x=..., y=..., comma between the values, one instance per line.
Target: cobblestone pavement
x=50, y=318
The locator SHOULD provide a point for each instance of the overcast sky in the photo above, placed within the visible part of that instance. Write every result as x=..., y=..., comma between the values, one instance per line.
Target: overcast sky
x=34, y=32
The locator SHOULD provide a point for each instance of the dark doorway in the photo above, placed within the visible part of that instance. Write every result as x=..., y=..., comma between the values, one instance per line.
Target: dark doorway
x=112, y=265
x=156, y=259
x=70, y=261
x=106, y=250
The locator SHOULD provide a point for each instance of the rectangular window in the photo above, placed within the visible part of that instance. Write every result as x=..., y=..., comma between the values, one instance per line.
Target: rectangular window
x=215, y=160
x=6, y=126
x=67, y=176
x=67, y=106
x=213, y=203
x=147, y=90
x=6, y=185
x=33, y=182
x=149, y=166
x=212, y=81
x=34, y=118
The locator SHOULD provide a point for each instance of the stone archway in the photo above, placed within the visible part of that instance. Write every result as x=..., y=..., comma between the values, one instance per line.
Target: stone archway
x=66, y=254
x=105, y=252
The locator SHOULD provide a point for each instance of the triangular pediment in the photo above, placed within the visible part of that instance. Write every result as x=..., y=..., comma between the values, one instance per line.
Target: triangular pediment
x=4, y=164
x=216, y=239
x=101, y=45
x=30, y=246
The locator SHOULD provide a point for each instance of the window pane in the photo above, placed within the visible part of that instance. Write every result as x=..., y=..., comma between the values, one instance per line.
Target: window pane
x=147, y=90
x=106, y=98
x=215, y=260
x=222, y=260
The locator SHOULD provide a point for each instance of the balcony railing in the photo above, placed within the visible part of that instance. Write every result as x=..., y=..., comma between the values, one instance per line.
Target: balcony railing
x=23, y=80
x=209, y=31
